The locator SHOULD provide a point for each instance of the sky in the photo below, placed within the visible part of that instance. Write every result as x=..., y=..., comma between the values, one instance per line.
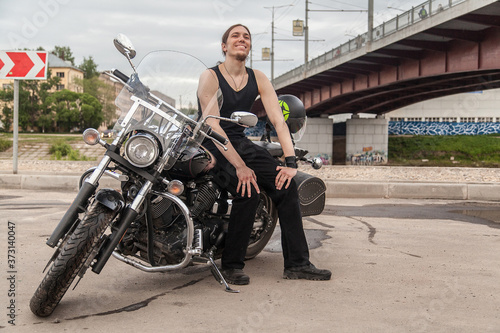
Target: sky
x=193, y=26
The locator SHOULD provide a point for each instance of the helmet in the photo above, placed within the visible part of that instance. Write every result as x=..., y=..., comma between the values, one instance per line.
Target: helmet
x=294, y=113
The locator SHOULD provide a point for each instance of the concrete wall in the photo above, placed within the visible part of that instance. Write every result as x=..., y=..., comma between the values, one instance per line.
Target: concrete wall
x=318, y=138
x=367, y=141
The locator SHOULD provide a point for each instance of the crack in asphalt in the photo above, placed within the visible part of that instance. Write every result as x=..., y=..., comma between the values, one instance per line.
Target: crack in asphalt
x=136, y=306
x=313, y=220
x=371, y=234
x=409, y=254
x=371, y=230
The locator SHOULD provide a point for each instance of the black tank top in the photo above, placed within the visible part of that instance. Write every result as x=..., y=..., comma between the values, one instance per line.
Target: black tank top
x=236, y=101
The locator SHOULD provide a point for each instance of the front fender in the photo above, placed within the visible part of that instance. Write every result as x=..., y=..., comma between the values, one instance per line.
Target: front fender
x=110, y=198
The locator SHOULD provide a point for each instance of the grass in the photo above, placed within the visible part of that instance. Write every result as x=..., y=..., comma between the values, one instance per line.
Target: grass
x=5, y=144
x=61, y=150
x=28, y=138
x=59, y=144
x=456, y=150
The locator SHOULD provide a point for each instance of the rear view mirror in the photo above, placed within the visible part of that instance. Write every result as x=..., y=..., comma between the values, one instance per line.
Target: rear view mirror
x=124, y=45
x=245, y=119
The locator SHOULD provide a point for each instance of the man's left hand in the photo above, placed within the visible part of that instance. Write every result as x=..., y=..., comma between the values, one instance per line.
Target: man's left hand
x=284, y=177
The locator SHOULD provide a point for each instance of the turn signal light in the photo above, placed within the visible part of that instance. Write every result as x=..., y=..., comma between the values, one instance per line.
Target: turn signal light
x=91, y=136
x=175, y=187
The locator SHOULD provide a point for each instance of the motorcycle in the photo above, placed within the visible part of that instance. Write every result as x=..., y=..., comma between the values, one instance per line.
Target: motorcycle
x=169, y=214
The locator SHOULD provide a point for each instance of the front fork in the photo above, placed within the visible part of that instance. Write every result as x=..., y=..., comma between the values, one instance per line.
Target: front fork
x=129, y=214
x=79, y=204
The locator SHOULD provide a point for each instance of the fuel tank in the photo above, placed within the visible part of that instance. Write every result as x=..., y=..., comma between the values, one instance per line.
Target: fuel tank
x=193, y=162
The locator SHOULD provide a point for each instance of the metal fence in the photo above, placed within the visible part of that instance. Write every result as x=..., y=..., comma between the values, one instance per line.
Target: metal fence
x=402, y=21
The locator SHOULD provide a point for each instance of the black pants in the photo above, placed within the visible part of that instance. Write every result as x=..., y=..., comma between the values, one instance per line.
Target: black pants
x=293, y=240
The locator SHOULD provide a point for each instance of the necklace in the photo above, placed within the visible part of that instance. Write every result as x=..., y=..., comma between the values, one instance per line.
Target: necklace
x=238, y=87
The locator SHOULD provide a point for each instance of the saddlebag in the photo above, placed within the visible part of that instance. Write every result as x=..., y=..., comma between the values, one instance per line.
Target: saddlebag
x=312, y=193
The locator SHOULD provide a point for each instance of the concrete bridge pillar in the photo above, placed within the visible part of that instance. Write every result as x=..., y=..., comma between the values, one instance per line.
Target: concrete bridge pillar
x=318, y=138
x=367, y=140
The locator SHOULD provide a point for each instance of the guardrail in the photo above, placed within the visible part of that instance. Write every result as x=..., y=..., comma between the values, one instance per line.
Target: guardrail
x=402, y=21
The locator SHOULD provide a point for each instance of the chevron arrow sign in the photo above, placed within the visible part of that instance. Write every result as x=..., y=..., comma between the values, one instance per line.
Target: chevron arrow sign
x=23, y=65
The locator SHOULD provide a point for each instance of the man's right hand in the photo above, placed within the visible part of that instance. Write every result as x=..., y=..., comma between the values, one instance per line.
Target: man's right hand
x=246, y=178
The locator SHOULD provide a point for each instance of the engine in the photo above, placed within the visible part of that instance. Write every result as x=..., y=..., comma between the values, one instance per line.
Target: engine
x=208, y=209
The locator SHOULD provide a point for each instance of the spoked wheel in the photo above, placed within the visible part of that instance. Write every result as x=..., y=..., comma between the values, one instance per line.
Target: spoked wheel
x=265, y=222
x=70, y=260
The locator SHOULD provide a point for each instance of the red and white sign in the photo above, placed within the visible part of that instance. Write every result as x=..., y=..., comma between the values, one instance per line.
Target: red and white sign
x=23, y=65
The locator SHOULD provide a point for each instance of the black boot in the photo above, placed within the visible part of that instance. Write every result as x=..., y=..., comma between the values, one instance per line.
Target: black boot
x=308, y=272
x=235, y=276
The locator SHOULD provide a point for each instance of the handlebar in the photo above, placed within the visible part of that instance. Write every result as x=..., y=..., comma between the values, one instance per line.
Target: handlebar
x=120, y=75
x=217, y=136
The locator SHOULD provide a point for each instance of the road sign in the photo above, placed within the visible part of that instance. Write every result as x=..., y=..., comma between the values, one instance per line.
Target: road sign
x=23, y=65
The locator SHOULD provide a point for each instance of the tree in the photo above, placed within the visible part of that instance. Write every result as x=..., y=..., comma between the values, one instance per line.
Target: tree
x=32, y=100
x=65, y=112
x=7, y=117
x=75, y=110
x=29, y=103
x=64, y=52
x=47, y=117
x=89, y=68
x=90, y=111
x=6, y=96
x=105, y=93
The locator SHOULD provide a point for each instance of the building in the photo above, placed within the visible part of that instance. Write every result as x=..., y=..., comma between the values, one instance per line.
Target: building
x=68, y=74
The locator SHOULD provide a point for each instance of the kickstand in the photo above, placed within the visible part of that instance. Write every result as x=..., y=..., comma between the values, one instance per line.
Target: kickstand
x=218, y=276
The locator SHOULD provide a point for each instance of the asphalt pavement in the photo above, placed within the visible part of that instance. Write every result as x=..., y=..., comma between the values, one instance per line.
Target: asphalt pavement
x=399, y=265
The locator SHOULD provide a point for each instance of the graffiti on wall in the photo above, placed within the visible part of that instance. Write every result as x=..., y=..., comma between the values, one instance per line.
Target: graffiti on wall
x=444, y=128
x=367, y=157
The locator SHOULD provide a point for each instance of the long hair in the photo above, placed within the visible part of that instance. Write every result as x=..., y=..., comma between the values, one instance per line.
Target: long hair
x=225, y=36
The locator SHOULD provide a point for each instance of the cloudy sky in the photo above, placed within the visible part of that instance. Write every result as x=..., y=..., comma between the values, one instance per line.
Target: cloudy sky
x=194, y=26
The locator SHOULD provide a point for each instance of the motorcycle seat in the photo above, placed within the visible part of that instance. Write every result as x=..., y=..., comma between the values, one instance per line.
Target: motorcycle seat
x=273, y=148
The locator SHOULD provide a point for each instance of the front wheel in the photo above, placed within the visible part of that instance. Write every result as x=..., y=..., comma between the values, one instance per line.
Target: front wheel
x=71, y=259
x=265, y=222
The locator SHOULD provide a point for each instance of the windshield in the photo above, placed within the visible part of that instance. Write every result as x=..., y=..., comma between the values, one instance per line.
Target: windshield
x=162, y=98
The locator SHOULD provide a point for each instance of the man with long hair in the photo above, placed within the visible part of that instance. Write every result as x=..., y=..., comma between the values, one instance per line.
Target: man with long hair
x=245, y=166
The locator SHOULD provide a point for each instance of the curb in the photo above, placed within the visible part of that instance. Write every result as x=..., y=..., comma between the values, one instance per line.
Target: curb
x=335, y=189
x=416, y=190
x=48, y=182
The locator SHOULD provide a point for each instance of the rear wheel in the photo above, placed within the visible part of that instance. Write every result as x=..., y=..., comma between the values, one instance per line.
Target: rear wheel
x=265, y=222
x=71, y=259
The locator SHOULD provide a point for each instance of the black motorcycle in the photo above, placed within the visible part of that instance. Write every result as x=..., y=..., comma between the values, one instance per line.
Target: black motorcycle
x=169, y=213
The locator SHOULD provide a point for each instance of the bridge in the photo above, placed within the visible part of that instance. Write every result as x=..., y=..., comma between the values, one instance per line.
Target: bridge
x=453, y=49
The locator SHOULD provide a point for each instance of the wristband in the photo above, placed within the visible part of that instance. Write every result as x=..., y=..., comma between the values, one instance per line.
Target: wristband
x=291, y=162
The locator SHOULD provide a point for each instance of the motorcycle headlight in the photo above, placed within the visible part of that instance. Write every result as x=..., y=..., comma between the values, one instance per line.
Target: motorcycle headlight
x=141, y=150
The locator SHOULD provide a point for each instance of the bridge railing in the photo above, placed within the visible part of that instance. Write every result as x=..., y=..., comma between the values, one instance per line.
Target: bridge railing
x=401, y=21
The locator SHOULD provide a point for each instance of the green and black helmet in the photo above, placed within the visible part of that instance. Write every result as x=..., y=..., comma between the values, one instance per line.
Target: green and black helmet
x=294, y=112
